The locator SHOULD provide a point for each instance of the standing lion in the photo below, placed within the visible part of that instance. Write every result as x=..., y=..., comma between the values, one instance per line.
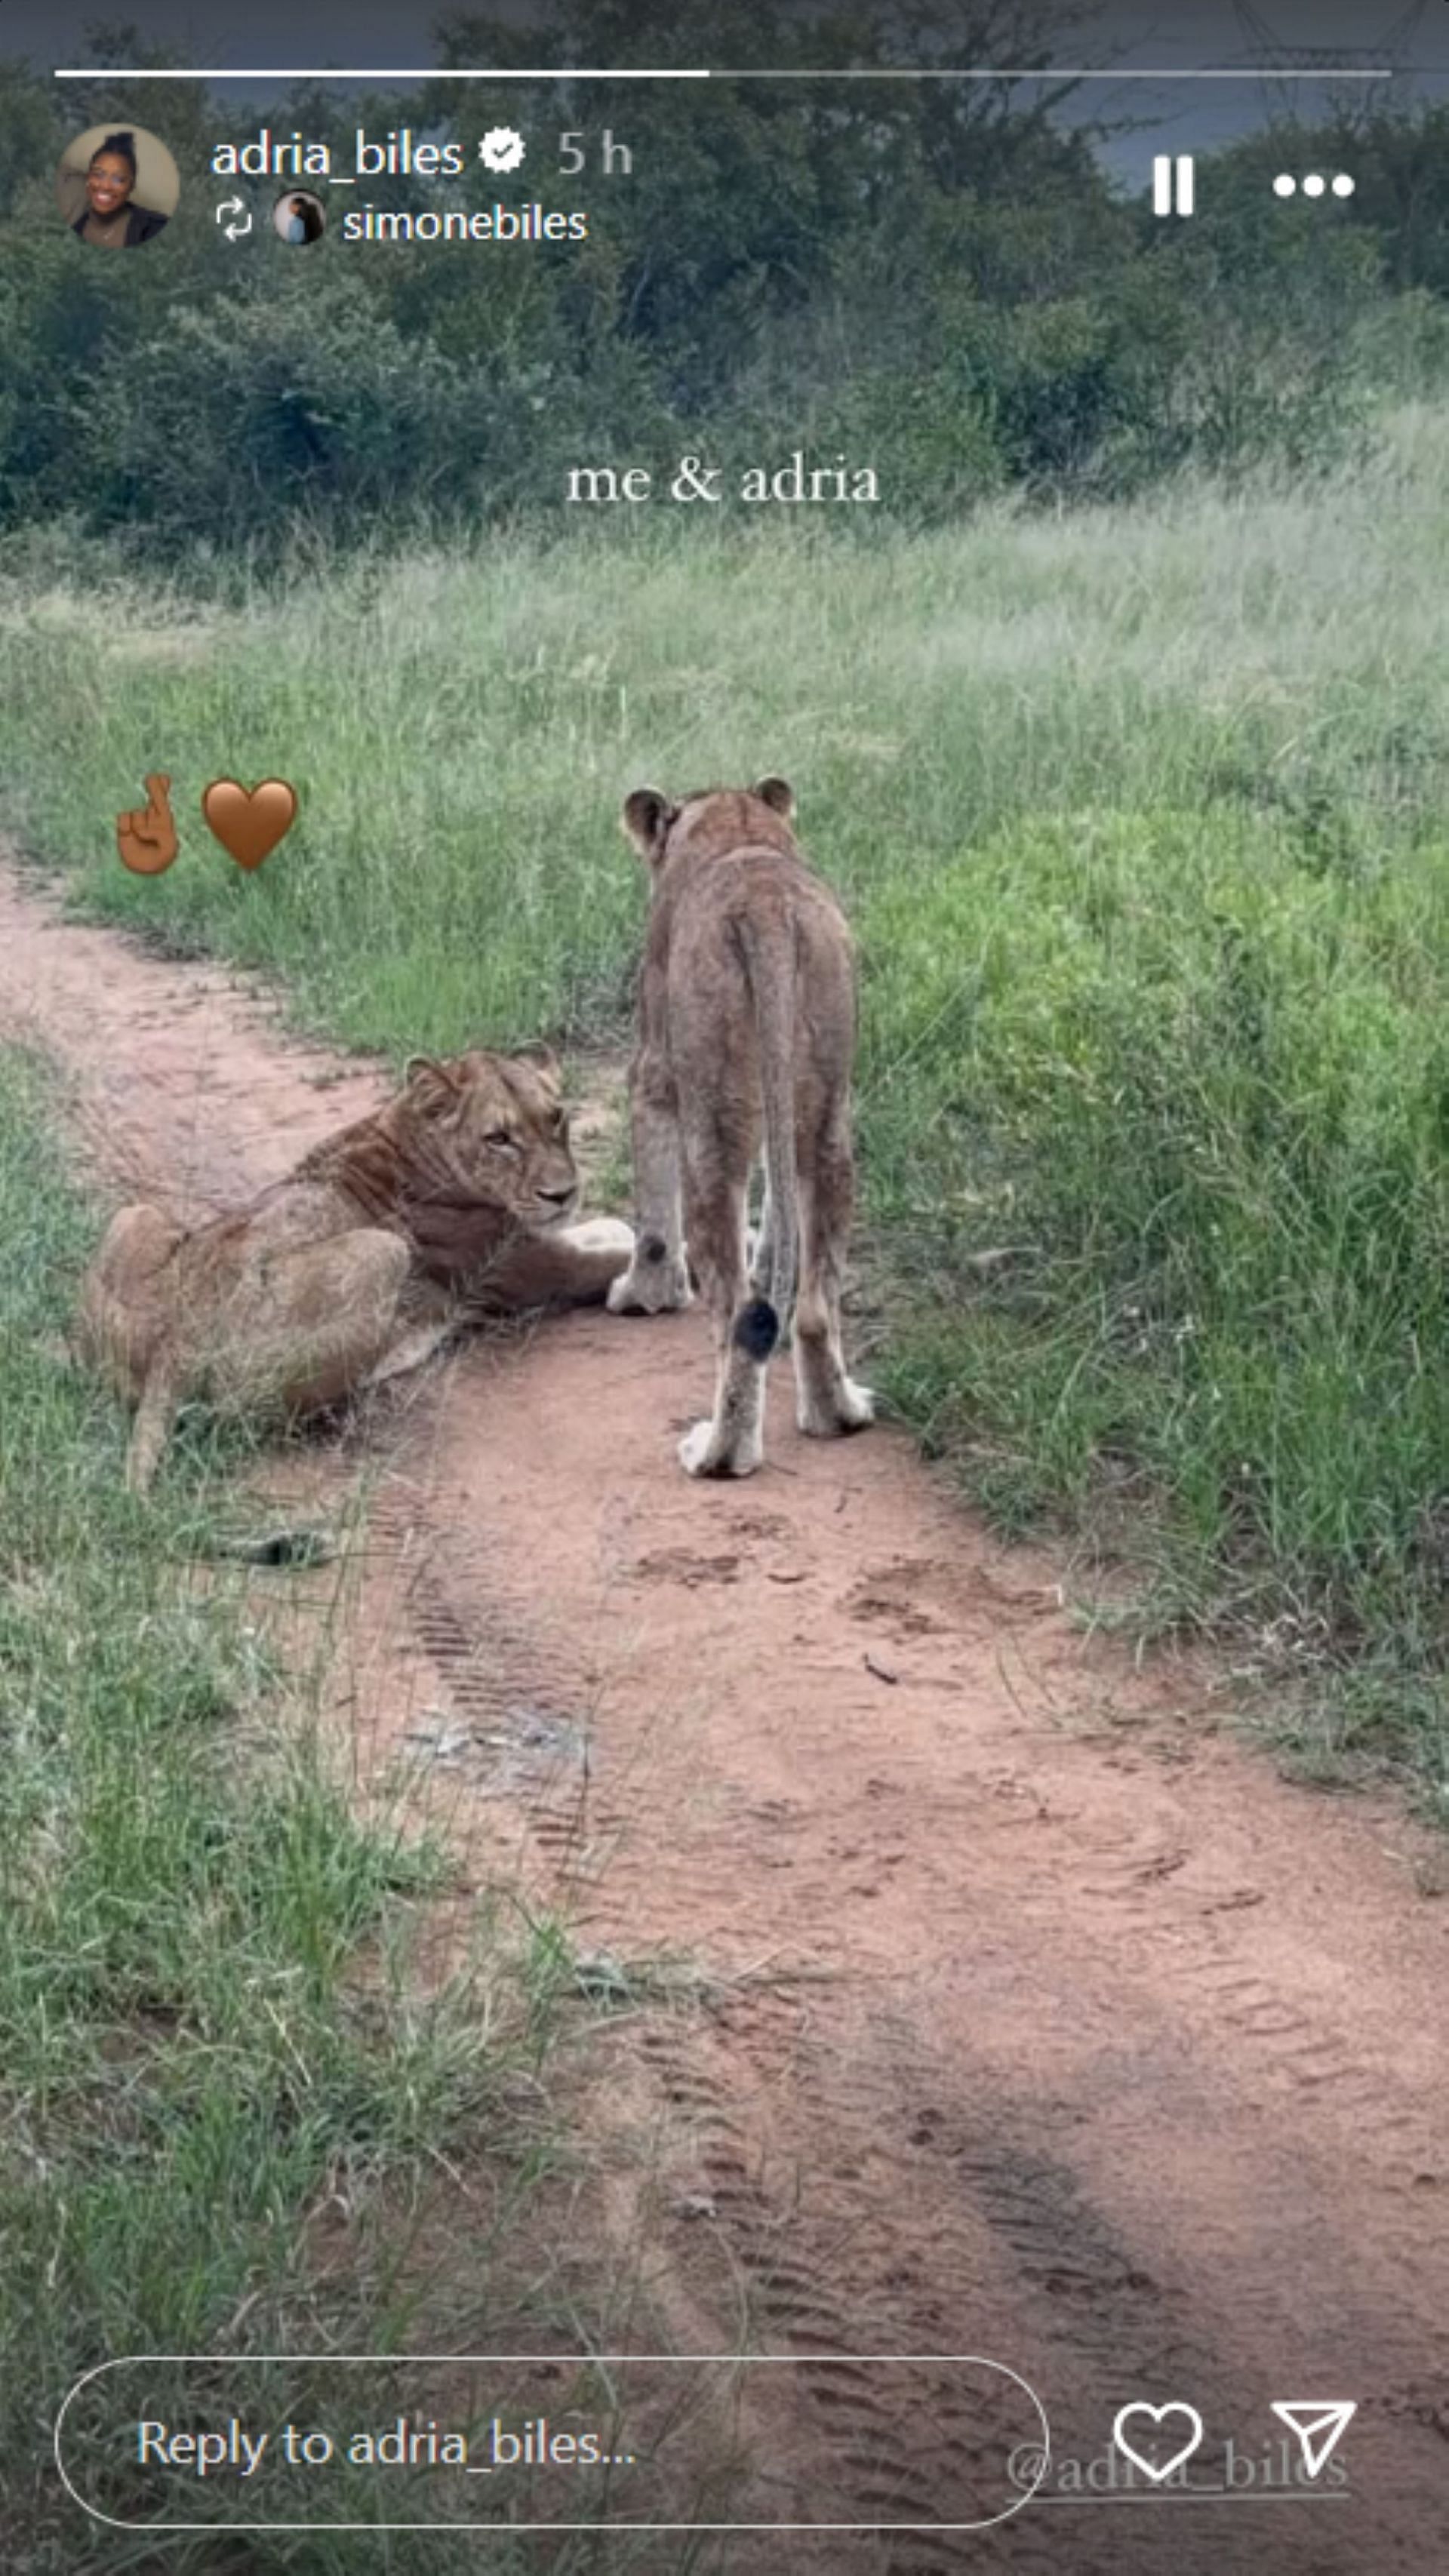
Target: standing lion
x=746, y=1034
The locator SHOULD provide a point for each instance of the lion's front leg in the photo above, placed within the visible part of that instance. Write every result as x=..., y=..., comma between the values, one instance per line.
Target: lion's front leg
x=568, y=1265
x=657, y=1279
x=598, y=1251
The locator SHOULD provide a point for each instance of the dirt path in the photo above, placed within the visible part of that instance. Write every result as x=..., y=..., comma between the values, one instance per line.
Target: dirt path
x=1076, y=2038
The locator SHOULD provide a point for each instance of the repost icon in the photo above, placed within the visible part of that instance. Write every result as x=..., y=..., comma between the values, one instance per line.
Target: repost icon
x=1320, y=2424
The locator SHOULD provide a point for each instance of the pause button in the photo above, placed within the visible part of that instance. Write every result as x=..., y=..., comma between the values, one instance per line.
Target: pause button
x=1174, y=188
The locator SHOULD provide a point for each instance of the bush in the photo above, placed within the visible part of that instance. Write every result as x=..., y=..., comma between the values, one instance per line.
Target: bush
x=1204, y=1076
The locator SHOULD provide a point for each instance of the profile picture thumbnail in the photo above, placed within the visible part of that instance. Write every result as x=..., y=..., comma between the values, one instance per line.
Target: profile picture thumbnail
x=299, y=216
x=117, y=186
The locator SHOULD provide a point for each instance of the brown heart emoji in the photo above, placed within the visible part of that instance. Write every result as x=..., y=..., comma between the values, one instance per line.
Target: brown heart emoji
x=249, y=822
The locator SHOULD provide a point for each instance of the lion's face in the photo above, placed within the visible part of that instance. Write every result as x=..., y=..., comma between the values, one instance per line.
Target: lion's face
x=497, y=1124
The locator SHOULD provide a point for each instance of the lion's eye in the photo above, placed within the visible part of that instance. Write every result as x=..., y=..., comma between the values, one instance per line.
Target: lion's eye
x=501, y=1141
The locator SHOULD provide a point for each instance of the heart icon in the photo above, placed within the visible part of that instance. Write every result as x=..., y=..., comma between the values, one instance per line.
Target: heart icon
x=249, y=822
x=1158, y=2470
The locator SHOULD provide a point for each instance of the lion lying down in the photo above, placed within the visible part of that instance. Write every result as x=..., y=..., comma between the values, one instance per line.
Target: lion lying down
x=453, y=1199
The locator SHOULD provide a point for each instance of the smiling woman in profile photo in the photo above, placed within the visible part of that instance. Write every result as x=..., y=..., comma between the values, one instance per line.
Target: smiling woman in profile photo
x=111, y=218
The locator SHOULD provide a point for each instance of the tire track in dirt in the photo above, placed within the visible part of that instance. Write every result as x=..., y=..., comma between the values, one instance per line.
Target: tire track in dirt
x=1045, y=2023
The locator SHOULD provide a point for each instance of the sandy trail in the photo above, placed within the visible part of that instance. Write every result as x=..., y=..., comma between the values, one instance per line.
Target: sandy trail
x=1076, y=2038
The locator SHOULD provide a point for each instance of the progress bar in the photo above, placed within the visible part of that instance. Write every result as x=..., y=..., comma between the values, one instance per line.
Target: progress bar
x=369, y=72
x=999, y=72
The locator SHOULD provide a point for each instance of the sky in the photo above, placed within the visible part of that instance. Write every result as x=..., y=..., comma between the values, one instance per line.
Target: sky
x=1135, y=36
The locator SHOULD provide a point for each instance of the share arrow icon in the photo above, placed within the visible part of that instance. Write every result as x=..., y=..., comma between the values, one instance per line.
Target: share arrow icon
x=1320, y=2424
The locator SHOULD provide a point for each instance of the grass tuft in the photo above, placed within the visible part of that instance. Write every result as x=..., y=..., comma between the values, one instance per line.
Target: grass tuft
x=214, y=2036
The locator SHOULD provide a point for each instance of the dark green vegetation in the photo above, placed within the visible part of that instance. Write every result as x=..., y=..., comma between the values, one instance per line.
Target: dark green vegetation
x=943, y=283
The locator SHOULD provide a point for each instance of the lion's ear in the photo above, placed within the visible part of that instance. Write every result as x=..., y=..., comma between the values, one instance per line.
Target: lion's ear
x=430, y=1085
x=778, y=794
x=647, y=817
x=534, y=1052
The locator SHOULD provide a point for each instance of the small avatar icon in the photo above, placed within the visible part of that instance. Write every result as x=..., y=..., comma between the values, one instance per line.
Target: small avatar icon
x=299, y=216
x=147, y=838
x=117, y=186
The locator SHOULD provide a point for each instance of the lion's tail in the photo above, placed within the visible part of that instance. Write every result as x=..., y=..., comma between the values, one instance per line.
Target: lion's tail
x=770, y=973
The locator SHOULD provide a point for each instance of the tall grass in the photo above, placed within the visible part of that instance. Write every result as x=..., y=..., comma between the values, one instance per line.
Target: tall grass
x=1140, y=813
x=218, y=2061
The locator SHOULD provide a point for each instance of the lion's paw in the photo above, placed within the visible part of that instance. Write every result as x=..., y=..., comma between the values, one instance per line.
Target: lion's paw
x=603, y=1234
x=651, y=1288
x=850, y=1408
x=704, y=1452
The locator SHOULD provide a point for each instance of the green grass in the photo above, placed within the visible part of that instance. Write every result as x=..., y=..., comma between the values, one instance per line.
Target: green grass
x=1140, y=813
x=218, y=2057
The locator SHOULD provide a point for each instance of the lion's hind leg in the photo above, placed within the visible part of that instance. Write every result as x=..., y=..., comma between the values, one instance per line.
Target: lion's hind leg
x=828, y=1401
x=125, y=1296
x=305, y=1327
x=299, y=1330
x=731, y=1442
x=155, y=1416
